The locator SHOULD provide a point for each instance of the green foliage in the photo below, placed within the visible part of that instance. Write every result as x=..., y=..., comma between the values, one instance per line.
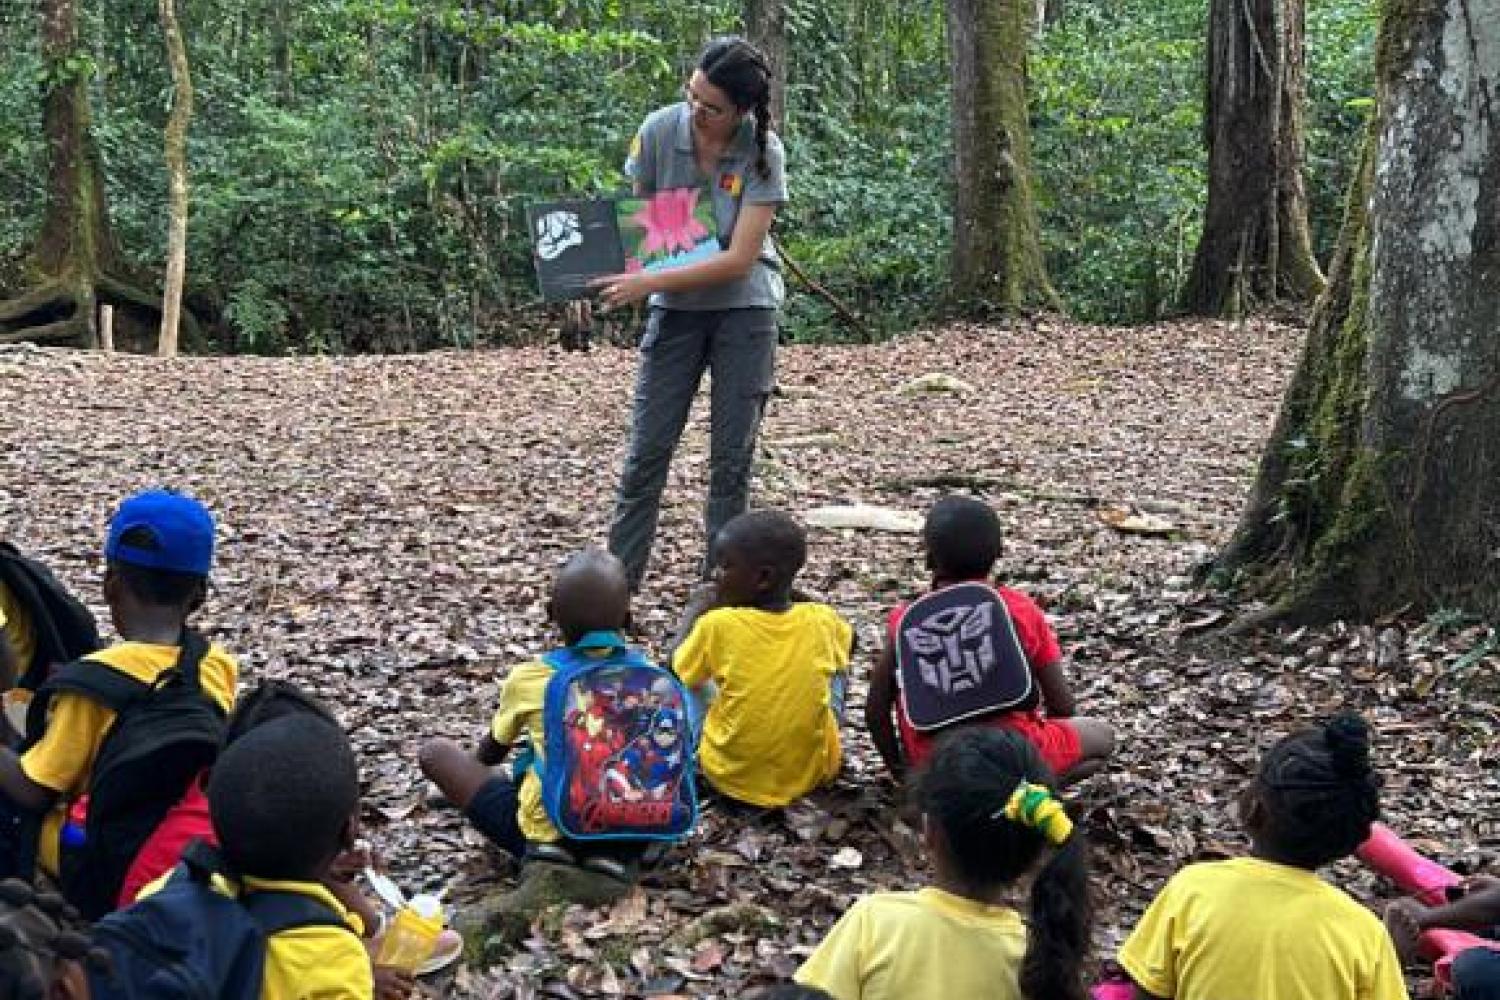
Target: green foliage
x=1341, y=97
x=1117, y=97
x=359, y=168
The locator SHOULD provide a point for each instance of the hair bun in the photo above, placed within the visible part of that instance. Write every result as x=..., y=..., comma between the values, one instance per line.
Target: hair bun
x=1348, y=739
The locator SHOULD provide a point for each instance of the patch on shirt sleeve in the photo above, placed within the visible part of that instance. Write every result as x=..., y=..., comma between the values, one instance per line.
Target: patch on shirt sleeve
x=730, y=184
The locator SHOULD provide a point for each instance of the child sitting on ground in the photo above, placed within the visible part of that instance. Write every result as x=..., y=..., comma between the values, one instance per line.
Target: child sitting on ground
x=962, y=539
x=42, y=625
x=771, y=668
x=590, y=602
x=284, y=799
x=988, y=818
x=190, y=820
x=1266, y=926
x=158, y=554
x=1476, y=971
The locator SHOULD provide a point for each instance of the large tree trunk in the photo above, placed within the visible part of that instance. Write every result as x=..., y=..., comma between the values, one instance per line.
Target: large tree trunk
x=76, y=262
x=997, y=250
x=765, y=27
x=1256, y=246
x=76, y=243
x=1380, y=487
x=175, y=151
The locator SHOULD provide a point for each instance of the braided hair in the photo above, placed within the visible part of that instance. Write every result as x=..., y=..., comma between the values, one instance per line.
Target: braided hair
x=744, y=74
x=1319, y=793
x=963, y=791
x=39, y=933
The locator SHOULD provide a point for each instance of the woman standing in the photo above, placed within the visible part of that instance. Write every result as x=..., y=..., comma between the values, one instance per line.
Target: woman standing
x=718, y=313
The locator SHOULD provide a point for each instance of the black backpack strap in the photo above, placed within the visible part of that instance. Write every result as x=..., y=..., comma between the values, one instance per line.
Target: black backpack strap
x=91, y=678
x=96, y=679
x=190, y=653
x=52, y=610
x=277, y=910
x=274, y=910
x=112, y=688
x=202, y=861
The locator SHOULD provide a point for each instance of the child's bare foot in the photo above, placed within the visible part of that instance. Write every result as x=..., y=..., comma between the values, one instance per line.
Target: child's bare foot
x=1403, y=921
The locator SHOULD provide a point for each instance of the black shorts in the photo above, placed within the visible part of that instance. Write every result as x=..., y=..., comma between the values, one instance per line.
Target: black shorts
x=492, y=810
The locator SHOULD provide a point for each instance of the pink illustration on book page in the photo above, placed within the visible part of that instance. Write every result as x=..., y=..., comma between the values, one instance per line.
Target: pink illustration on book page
x=670, y=222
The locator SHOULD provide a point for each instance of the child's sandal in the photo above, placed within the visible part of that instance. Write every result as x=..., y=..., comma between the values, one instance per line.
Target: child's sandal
x=555, y=854
x=612, y=867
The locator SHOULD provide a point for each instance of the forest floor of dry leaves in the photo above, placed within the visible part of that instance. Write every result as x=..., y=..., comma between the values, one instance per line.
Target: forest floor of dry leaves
x=389, y=526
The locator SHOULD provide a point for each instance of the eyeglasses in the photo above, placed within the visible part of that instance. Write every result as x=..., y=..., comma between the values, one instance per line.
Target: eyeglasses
x=712, y=111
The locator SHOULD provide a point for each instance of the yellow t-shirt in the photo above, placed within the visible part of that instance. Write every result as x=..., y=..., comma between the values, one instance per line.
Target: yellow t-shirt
x=318, y=962
x=1249, y=929
x=15, y=619
x=770, y=735
x=307, y=963
x=521, y=697
x=76, y=726
x=931, y=943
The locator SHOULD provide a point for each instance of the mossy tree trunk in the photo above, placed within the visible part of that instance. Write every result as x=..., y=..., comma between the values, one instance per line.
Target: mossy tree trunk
x=997, y=249
x=1380, y=487
x=1256, y=246
x=175, y=152
x=76, y=262
x=765, y=26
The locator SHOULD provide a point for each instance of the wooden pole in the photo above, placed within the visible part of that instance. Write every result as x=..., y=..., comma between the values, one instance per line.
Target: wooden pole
x=107, y=328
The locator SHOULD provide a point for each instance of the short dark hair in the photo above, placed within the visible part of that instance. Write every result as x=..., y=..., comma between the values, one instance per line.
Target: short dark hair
x=273, y=699
x=1319, y=792
x=771, y=538
x=281, y=796
x=590, y=593
x=160, y=587
x=962, y=536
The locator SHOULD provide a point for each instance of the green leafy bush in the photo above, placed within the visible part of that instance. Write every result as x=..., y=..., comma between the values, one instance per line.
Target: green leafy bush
x=359, y=168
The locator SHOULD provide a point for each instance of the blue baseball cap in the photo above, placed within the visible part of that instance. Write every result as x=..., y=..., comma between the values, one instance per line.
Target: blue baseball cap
x=182, y=533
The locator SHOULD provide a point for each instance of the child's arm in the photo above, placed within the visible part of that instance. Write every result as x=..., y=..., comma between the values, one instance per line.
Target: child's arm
x=19, y=789
x=1057, y=693
x=703, y=599
x=880, y=706
x=1477, y=908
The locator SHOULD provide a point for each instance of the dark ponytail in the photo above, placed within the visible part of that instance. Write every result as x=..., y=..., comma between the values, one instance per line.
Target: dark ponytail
x=1320, y=793
x=1059, y=926
x=964, y=790
x=762, y=134
x=744, y=74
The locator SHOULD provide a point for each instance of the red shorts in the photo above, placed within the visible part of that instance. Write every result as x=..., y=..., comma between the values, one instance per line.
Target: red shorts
x=1055, y=739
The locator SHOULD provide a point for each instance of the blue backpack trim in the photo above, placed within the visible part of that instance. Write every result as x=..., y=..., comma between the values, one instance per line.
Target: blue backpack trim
x=620, y=752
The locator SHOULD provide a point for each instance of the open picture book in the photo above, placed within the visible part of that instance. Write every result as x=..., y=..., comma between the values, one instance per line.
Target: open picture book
x=574, y=242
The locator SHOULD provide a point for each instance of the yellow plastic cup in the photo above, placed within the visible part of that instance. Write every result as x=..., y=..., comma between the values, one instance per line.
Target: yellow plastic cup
x=411, y=935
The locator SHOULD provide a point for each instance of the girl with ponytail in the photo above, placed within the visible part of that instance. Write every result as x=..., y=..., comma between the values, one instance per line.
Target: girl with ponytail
x=716, y=313
x=1266, y=926
x=989, y=819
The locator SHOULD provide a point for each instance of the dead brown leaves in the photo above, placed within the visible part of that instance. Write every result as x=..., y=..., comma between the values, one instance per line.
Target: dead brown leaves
x=389, y=526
